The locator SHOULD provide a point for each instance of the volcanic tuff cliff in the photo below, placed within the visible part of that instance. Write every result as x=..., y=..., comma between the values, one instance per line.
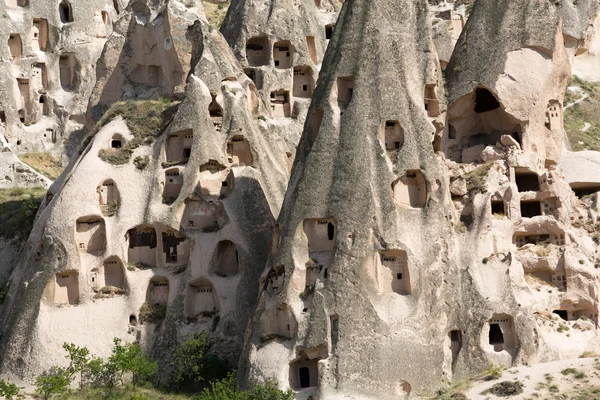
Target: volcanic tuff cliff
x=433, y=222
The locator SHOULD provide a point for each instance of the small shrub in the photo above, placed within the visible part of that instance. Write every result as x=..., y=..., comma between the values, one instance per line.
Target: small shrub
x=588, y=354
x=506, y=389
x=553, y=388
x=581, y=262
x=492, y=372
x=141, y=162
x=9, y=390
x=115, y=156
x=562, y=328
x=55, y=381
x=152, y=313
x=18, y=207
x=262, y=117
x=189, y=361
x=568, y=371
x=485, y=260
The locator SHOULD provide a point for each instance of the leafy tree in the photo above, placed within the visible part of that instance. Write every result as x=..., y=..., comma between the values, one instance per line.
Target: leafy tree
x=269, y=391
x=9, y=390
x=100, y=373
x=227, y=389
x=79, y=357
x=224, y=389
x=56, y=381
x=188, y=361
x=130, y=357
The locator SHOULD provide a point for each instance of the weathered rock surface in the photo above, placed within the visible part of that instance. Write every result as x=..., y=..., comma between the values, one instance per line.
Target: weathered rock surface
x=190, y=233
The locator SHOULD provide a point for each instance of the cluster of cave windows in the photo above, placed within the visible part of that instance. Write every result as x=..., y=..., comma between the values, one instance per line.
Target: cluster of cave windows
x=215, y=179
x=200, y=299
x=282, y=54
x=178, y=147
x=303, y=82
x=576, y=312
x=345, y=88
x=393, y=135
x=281, y=106
x=304, y=373
x=540, y=239
x=258, y=52
x=275, y=280
x=238, y=151
x=256, y=75
x=175, y=247
x=278, y=322
x=173, y=184
x=90, y=234
x=200, y=214
x=39, y=34
x=108, y=197
x=554, y=117
x=67, y=66
x=501, y=333
x=392, y=272
x=411, y=189
x=142, y=243
x=527, y=181
x=117, y=141
x=15, y=46
x=432, y=105
x=16, y=3
x=63, y=288
x=545, y=275
x=475, y=121
x=320, y=234
x=158, y=291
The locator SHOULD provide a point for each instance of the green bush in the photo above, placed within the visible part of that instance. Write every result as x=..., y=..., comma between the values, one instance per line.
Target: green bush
x=227, y=389
x=492, y=372
x=152, y=313
x=55, y=381
x=189, y=361
x=9, y=390
x=18, y=207
x=130, y=358
x=146, y=120
x=506, y=389
x=141, y=162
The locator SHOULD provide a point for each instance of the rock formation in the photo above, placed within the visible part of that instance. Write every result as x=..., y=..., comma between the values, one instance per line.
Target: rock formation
x=432, y=224
x=159, y=239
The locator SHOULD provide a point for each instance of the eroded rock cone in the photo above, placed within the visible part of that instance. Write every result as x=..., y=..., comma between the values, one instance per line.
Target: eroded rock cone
x=351, y=295
x=162, y=228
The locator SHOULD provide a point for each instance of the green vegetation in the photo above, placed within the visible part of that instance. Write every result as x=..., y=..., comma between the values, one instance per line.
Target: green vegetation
x=141, y=162
x=56, y=381
x=588, y=354
x=573, y=371
x=105, y=379
x=43, y=163
x=492, y=372
x=18, y=207
x=505, y=389
x=146, y=120
x=477, y=179
x=152, y=313
x=215, y=13
x=586, y=111
x=9, y=390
